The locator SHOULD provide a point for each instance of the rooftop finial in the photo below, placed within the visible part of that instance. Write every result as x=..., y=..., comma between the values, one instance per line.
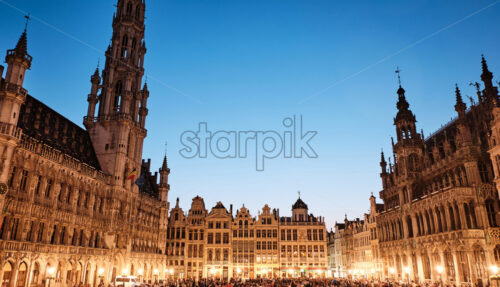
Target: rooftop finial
x=165, y=164
x=28, y=18
x=398, y=71
x=298, y=193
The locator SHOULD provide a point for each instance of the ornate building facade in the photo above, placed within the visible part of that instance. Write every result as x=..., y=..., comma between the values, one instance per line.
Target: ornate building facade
x=440, y=213
x=241, y=246
x=71, y=209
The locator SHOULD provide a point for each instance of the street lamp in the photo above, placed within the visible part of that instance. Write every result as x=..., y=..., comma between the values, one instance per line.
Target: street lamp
x=155, y=274
x=124, y=271
x=51, y=271
x=407, y=271
x=140, y=272
x=100, y=274
x=238, y=271
x=439, y=270
x=171, y=271
x=493, y=269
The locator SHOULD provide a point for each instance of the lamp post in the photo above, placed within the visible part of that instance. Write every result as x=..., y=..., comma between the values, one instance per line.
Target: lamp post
x=407, y=271
x=140, y=272
x=392, y=271
x=155, y=274
x=51, y=271
x=494, y=270
x=439, y=270
x=100, y=274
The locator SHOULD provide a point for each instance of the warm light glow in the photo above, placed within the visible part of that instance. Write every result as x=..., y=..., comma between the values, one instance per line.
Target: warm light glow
x=100, y=272
x=494, y=269
x=407, y=269
x=155, y=272
x=372, y=271
x=124, y=271
x=171, y=271
x=392, y=270
x=439, y=269
x=140, y=272
x=238, y=270
x=290, y=271
x=212, y=270
x=51, y=271
x=165, y=271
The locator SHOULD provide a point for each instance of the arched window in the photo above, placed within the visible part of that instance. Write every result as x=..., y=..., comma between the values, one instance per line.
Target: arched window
x=123, y=53
x=496, y=253
x=450, y=265
x=35, y=273
x=118, y=94
x=426, y=264
x=129, y=8
x=7, y=274
x=480, y=259
x=452, y=218
x=138, y=12
x=409, y=226
x=490, y=210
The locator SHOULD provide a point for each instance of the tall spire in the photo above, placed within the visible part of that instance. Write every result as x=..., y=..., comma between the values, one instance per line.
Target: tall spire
x=383, y=163
x=402, y=104
x=164, y=166
x=21, y=49
x=460, y=105
x=486, y=76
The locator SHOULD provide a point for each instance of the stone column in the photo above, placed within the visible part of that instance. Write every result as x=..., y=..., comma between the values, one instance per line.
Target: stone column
x=444, y=274
x=14, y=273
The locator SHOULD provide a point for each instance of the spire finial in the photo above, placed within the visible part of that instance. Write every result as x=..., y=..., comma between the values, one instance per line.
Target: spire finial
x=165, y=164
x=298, y=193
x=398, y=71
x=28, y=18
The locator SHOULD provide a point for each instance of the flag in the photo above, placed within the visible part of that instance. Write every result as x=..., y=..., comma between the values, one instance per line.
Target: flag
x=131, y=175
x=140, y=181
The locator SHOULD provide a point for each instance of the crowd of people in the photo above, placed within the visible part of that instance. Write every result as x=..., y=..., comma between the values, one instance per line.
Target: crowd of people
x=295, y=282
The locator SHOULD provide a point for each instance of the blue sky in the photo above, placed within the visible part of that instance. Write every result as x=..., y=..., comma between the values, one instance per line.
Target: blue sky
x=246, y=65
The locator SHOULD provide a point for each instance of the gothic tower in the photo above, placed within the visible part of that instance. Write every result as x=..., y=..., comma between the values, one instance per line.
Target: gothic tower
x=118, y=129
x=12, y=96
x=408, y=149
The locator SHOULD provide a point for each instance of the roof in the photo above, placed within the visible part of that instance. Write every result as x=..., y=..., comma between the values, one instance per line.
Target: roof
x=219, y=205
x=149, y=185
x=39, y=121
x=299, y=204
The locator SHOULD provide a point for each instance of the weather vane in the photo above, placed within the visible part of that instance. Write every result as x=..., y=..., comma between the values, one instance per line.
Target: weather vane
x=398, y=71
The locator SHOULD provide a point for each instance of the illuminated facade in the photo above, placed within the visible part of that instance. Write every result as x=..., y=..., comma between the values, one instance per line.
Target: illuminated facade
x=242, y=246
x=440, y=218
x=441, y=215
x=71, y=211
